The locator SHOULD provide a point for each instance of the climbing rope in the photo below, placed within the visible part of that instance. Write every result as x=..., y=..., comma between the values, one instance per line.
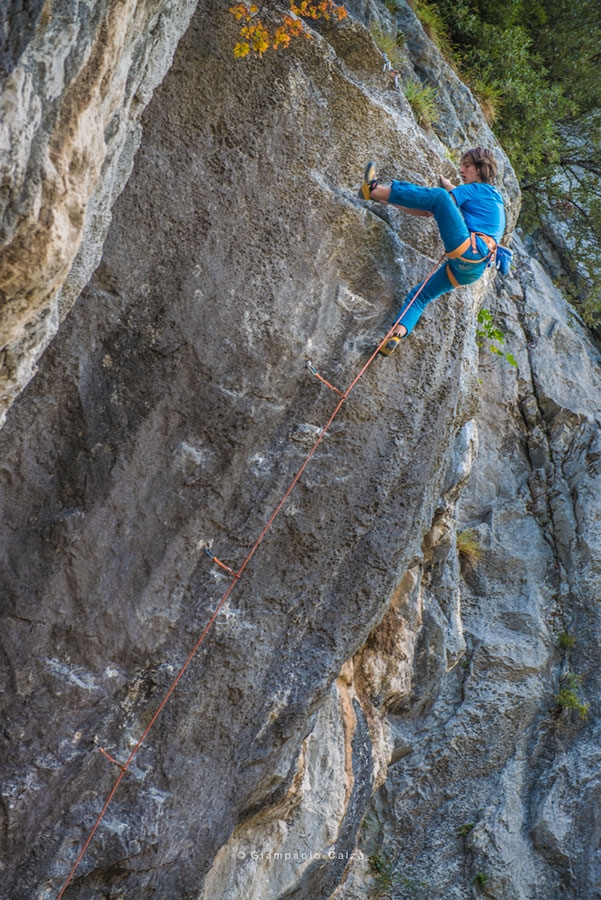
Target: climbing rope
x=124, y=767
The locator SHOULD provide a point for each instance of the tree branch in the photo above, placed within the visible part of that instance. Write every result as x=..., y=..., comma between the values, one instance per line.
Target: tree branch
x=590, y=165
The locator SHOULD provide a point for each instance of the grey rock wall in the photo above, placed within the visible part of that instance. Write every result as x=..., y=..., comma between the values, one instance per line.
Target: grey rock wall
x=494, y=787
x=357, y=655
x=74, y=81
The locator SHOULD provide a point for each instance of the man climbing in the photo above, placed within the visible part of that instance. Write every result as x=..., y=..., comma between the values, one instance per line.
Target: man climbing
x=471, y=221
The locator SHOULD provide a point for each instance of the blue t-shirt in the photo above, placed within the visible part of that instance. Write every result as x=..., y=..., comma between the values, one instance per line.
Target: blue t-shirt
x=482, y=207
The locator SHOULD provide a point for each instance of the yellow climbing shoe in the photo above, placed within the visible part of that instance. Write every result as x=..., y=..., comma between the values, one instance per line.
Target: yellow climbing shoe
x=391, y=344
x=370, y=181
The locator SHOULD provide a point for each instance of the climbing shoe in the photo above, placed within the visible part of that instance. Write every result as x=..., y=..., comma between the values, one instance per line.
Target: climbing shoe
x=391, y=344
x=370, y=181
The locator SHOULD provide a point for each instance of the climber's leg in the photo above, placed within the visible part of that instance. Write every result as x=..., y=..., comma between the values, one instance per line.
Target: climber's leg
x=380, y=192
x=411, y=310
x=437, y=201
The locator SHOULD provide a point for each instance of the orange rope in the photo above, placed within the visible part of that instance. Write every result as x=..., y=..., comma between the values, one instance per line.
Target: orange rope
x=327, y=383
x=141, y=740
x=312, y=368
x=124, y=768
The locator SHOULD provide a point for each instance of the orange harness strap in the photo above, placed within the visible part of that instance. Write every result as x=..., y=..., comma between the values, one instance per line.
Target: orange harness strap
x=471, y=242
x=451, y=277
x=458, y=251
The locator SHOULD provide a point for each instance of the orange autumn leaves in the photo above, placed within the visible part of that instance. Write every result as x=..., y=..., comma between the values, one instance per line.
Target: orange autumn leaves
x=257, y=37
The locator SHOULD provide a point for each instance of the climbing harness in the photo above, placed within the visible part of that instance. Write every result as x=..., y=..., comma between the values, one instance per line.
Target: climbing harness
x=498, y=255
x=470, y=241
x=235, y=575
x=488, y=258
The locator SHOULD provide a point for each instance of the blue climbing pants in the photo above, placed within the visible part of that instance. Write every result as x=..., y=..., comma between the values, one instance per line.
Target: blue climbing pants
x=453, y=232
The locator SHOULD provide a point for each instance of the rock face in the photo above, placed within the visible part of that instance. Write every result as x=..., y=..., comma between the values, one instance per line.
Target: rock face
x=364, y=662
x=75, y=79
x=495, y=779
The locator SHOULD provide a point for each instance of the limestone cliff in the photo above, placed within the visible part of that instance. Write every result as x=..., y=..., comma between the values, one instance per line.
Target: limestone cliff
x=374, y=712
x=75, y=79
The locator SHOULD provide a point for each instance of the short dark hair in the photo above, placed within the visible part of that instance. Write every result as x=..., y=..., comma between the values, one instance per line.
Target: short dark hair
x=484, y=161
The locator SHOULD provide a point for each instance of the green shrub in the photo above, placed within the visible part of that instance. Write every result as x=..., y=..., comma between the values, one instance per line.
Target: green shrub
x=383, y=875
x=491, y=337
x=566, y=641
x=568, y=696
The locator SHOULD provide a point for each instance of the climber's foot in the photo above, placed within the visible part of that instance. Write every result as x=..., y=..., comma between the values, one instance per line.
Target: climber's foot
x=391, y=344
x=370, y=181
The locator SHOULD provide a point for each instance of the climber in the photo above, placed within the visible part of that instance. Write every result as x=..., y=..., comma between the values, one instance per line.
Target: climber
x=471, y=221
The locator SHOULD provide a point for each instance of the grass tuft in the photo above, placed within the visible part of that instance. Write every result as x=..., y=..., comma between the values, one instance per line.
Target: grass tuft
x=489, y=93
x=391, y=45
x=434, y=26
x=422, y=99
x=469, y=548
